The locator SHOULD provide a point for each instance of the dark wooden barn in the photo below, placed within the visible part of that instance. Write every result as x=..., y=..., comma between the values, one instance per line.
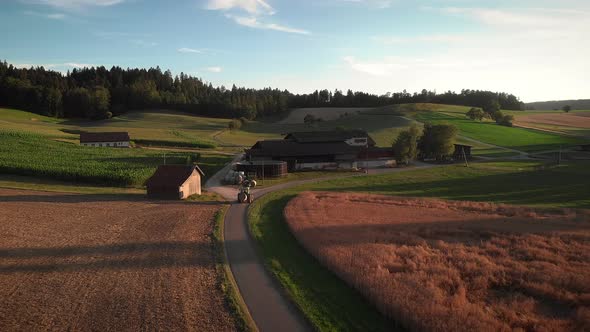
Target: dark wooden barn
x=462, y=151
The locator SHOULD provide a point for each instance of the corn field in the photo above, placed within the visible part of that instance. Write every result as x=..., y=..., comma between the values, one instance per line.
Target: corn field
x=30, y=154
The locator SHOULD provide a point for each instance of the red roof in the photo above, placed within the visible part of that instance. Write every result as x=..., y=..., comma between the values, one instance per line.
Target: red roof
x=104, y=137
x=172, y=175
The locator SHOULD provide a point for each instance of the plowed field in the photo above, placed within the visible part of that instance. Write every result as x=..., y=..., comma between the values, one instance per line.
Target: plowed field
x=576, y=120
x=107, y=263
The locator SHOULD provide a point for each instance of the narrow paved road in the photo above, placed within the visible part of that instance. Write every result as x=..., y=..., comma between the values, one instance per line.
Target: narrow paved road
x=267, y=304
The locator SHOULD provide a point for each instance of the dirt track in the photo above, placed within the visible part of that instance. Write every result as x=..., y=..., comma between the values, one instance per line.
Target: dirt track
x=94, y=262
x=435, y=265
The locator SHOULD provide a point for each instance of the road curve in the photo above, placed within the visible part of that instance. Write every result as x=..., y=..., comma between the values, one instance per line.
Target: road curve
x=270, y=309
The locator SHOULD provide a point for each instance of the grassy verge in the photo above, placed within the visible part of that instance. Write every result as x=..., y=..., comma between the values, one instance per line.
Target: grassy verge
x=329, y=303
x=33, y=183
x=229, y=287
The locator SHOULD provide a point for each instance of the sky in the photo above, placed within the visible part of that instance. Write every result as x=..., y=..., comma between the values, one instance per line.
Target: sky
x=535, y=49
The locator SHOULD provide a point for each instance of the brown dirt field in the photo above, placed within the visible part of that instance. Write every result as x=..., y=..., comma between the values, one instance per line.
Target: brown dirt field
x=575, y=120
x=436, y=265
x=103, y=263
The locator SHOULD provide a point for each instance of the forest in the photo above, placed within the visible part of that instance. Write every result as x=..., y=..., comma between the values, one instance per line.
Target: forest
x=100, y=93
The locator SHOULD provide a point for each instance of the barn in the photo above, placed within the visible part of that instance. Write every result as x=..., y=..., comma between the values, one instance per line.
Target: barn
x=462, y=151
x=105, y=139
x=175, y=182
x=337, y=149
x=261, y=169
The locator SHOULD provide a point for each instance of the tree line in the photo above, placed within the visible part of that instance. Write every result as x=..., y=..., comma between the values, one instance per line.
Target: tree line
x=99, y=93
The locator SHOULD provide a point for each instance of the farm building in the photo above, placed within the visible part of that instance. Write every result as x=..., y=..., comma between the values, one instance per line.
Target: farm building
x=112, y=139
x=584, y=147
x=462, y=151
x=347, y=149
x=175, y=182
x=350, y=137
x=263, y=168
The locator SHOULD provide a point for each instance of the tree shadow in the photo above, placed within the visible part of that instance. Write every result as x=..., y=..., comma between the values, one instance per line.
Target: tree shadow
x=469, y=232
x=520, y=188
x=140, y=255
x=90, y=198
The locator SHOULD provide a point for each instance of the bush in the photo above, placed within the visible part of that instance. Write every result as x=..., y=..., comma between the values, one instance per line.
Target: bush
x=505, y=120
x=234, y=124
x=405, y=146
x=475, y=114
x=309, y=119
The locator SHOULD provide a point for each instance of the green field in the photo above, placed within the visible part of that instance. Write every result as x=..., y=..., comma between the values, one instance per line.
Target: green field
x=36, y=155
x=510, y=137
x=329, y=303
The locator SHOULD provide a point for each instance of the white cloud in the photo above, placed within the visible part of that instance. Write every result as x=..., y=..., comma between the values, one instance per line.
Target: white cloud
x=75, y=4
x=214, y=69
x=254, y=9
x=143, y=43
x=435, y=38
x=378, y=4
x=189, y=50
x=536, y=53
x=250, y=6
x=254, y=22
x=52, y=16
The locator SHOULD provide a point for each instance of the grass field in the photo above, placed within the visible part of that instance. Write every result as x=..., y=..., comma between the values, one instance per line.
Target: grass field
x=452, y=265
x=328, y=302
x=38, y=156
x=510, y=137
x=297, y=115
x=383, y=126
x=166, y=127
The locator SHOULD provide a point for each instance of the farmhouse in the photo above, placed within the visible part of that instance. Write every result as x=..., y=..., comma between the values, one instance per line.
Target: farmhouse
x=322, y=150
x=113, y=139
x=175, y=182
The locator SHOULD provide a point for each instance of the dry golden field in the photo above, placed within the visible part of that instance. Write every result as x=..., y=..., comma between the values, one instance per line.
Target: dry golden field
x=435, y=265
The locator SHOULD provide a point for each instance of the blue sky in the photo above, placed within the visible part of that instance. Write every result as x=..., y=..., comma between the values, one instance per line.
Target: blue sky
x=538, y=50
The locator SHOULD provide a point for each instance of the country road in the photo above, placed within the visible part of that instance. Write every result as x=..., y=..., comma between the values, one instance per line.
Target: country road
x=267, y=304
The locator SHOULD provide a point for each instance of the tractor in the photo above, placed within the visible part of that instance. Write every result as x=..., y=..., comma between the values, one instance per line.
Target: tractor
x=244, y=194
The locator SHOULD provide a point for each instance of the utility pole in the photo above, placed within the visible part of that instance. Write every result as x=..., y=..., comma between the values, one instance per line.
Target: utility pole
x=367, y=157
x=164, y=158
